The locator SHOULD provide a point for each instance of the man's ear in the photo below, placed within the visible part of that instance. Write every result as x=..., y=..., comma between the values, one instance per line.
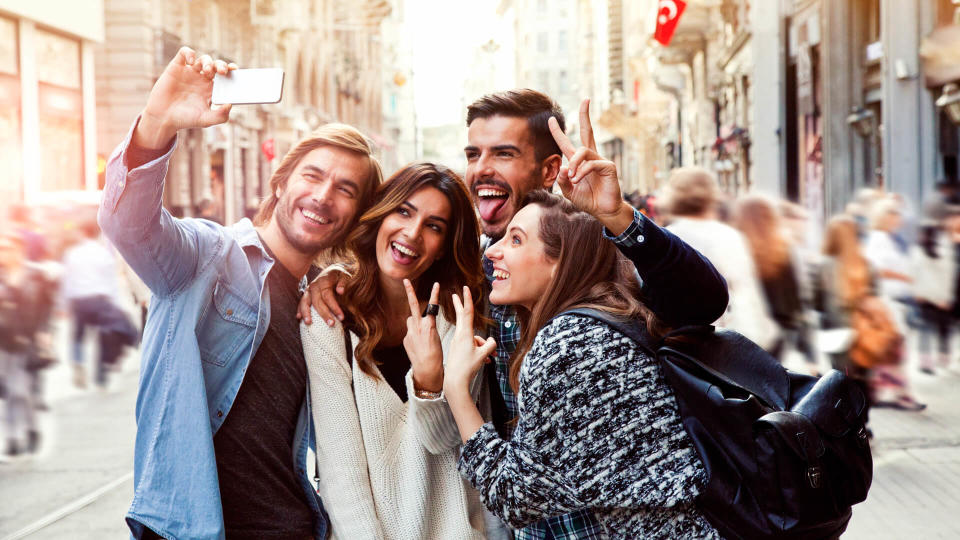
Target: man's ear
x=549, y=170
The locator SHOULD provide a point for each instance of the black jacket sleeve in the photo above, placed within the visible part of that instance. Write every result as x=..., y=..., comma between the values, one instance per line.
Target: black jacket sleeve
x=680, y=285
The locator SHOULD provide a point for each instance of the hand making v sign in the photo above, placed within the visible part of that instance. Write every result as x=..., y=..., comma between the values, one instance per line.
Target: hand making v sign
x=590, y=182
x=422, y=342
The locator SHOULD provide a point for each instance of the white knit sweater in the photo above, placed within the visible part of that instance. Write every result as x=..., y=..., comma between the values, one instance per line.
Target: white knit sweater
x=388, y=469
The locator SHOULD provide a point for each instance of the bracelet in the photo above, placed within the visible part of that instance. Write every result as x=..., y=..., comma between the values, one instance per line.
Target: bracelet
x=426, y=394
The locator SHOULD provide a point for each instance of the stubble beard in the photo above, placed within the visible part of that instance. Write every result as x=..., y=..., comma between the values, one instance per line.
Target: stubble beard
x=284, y=213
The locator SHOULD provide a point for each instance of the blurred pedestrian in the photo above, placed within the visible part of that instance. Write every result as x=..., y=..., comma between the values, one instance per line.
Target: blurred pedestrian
x=25, y=307
x=778, y=268
x=934, y=268
x=888, y=253
x=799, y=229
x=34, y=242
x=692, y=196
x=90, y=289
x=844, y=279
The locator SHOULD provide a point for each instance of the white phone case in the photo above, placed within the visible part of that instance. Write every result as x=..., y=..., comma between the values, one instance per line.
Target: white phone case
x=248, y=86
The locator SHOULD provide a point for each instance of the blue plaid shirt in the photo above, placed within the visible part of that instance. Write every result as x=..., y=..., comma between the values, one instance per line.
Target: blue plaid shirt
x=505, y=329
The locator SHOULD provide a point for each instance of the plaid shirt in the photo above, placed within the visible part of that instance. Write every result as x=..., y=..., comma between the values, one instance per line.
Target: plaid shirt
x=505, y=329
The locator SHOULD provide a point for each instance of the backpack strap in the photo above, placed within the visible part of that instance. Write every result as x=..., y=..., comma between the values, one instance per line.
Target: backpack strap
x=701, y=334
x=633, y=329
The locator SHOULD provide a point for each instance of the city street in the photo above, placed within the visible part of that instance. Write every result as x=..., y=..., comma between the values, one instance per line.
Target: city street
x=81, y=483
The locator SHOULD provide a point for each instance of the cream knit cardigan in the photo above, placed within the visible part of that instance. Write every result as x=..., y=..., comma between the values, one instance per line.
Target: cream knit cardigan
x=388, y=469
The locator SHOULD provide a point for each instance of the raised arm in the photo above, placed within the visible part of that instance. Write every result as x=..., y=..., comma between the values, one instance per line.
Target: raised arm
x=162, y=250
x=679, y=285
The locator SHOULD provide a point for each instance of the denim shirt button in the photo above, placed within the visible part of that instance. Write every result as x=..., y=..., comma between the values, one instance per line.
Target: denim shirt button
x=219, y=414
x=229, y=312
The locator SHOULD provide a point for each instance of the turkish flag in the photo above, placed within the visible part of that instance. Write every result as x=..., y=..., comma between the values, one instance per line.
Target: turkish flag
x=668, y=15
x=267, y=149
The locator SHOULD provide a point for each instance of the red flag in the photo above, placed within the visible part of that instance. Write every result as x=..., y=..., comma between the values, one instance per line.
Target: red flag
x=668, y=15
x=268, y=151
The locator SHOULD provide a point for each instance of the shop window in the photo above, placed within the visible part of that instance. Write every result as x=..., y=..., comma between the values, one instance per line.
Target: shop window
x=60, y=108
x=11, y=151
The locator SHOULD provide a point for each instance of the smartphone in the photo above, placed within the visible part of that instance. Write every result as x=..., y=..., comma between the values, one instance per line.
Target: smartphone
x=248, y=86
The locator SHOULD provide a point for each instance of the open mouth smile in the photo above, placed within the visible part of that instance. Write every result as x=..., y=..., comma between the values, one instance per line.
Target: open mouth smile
x=500, y=274
x=490, y=202
x=314, y=217
x=403, y=254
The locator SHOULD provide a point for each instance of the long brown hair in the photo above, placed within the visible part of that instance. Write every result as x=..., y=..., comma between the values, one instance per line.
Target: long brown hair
x=335, y=135
x=459, y=266
x=759, y=221
x=853, y=272
x=591, y=273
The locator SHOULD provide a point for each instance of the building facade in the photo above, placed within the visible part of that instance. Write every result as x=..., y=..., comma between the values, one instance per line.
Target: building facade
x=331, y=54
x=861, y=100
x=47, y=100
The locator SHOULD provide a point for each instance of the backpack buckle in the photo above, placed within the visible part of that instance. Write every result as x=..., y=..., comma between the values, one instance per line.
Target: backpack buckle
x=814, y=476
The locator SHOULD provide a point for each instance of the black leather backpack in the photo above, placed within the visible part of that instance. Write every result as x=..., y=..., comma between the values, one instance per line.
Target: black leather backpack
x=786, y=454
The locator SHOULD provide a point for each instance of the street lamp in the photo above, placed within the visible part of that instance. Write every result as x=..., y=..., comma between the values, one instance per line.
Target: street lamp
x=862, y=121
x=949, y=101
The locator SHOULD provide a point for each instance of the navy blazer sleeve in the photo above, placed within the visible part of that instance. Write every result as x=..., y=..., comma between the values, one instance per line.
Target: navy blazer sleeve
x=680, y=285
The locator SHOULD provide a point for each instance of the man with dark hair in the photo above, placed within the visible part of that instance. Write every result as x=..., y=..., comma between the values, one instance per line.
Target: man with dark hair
x=223, y=419
x=510, y=152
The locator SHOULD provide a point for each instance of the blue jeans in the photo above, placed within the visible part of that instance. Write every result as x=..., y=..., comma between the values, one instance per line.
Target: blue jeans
x=87, y=313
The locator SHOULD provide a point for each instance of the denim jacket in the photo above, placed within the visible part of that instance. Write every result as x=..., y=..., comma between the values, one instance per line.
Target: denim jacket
x=209, y=312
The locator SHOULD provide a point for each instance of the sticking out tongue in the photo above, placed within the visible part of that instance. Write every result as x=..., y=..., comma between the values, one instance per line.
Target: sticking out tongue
x=489, y=207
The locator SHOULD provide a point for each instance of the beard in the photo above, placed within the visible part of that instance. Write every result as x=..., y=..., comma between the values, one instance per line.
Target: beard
x=284, y=212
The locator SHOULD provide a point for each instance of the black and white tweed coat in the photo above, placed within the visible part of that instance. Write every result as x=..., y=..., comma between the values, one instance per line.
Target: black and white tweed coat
x=598, y=429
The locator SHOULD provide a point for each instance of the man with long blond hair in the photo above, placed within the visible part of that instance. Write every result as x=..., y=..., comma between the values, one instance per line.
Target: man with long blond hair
x=223, y=410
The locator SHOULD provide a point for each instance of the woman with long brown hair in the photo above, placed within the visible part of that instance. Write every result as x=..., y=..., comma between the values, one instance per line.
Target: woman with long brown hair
x=386, y=442
x=598, y=427
x=844, y=279
x=778, y=269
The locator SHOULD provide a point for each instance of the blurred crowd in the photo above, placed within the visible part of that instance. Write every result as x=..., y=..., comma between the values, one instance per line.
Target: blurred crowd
x=847, y=297
x=47, y=278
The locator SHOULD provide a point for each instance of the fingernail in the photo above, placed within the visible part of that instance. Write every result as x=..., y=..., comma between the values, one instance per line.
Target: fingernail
x=329, y=322
x=340, y=316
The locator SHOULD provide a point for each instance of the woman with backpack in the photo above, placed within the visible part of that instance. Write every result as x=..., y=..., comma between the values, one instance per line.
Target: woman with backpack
x=598, y=427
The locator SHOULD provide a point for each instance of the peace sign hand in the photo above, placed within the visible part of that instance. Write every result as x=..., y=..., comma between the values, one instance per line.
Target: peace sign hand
x=590, y=182
x=422, y=343
x=467, y=352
